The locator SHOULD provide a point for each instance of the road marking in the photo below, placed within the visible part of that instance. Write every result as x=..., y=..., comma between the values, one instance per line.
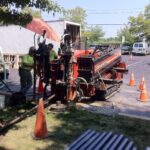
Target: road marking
x=134, y=63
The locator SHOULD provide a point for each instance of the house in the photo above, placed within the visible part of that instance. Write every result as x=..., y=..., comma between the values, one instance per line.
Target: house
x=16, y=41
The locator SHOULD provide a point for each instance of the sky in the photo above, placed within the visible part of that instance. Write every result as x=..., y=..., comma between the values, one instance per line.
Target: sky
x=104, y=12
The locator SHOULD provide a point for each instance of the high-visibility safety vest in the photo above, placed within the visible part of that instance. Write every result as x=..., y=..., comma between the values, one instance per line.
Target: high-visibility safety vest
x=27, y=62
x=53, y=55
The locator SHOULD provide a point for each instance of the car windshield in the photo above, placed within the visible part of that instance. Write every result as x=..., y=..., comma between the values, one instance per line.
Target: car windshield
x=140, y=45
x=135, y=45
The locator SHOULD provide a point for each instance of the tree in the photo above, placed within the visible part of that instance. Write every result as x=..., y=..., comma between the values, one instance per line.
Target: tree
x=140, y=25
x=129, y=37
x=10, y=10
x=33, y=13
x=112, y=40
x=93, y=34
x=137, y=25
x=77, y=15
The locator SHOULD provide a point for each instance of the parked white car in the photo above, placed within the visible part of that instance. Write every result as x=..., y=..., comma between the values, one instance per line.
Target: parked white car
x=141, y=48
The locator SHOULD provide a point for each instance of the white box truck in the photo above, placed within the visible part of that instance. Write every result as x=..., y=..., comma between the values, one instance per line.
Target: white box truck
x=140, y=48
x=73, y=28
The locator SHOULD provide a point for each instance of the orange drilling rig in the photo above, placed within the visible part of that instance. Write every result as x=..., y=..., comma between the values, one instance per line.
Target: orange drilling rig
x=80, y=74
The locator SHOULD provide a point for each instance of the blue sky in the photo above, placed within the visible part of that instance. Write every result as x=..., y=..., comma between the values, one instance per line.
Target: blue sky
x=105, y=12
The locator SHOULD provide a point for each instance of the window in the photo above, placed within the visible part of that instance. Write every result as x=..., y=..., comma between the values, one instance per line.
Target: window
x=140, y=45
x=136, y=45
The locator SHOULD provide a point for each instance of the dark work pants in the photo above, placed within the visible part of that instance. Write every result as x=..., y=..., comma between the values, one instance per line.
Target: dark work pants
x=25, y=79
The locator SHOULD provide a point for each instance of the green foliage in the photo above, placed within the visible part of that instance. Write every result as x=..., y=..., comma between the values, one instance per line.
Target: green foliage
x=140, y=25
x=111, y=40
x=34, y=13
x=137, y=24
x=10, y=10
x=77, y=15
x=7, y=17
x=93, y=34
x=129, y=37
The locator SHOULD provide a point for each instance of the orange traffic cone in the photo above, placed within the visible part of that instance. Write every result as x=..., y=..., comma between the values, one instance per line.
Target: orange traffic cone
x=132, y=81
x=40, y=130
x=40, y=88
x=143, y=95
x=142, y=83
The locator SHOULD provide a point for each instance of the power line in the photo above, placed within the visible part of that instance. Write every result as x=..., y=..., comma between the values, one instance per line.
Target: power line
x=115, y=11
x=108, y=24
x=121, y=9
x=108, y=13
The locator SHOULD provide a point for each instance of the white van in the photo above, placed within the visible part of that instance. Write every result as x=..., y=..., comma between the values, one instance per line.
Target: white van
x=140, y=48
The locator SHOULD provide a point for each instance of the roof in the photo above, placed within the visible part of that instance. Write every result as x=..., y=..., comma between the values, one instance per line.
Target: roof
x=16, y=40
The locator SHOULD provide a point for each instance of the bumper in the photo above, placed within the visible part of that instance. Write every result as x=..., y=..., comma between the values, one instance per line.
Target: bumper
x=126, y=52
x=139, y=52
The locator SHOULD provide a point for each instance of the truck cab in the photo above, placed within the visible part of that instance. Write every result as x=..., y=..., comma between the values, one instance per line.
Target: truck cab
x=141, y=48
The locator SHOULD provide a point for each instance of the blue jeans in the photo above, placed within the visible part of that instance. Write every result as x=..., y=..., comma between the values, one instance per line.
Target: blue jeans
x=25, y=79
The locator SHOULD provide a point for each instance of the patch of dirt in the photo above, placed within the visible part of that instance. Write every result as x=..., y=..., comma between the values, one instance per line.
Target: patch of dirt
x=105, y=108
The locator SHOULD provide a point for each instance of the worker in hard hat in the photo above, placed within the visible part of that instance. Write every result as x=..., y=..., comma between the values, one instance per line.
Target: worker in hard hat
x=25, y=70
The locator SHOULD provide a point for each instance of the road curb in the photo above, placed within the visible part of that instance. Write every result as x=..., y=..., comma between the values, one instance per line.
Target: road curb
x=134, y=116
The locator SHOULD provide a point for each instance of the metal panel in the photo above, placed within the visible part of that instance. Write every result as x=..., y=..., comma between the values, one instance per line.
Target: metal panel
x=122, y=145
x=119, y=138
x=135, y=148
x=129, y=146
x=147, y=148
x=110, y=142
x=89, y=142
x=104, y=140
x=79, y=139
x=84, y=140
x=92, y=140
x=97, y=140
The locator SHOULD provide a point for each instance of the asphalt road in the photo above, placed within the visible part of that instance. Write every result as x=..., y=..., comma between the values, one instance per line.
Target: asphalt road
x=127, y=99
x=13, y=82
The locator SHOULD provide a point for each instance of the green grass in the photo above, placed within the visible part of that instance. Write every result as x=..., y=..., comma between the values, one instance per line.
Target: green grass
x=66, y=127
x=8, y=113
